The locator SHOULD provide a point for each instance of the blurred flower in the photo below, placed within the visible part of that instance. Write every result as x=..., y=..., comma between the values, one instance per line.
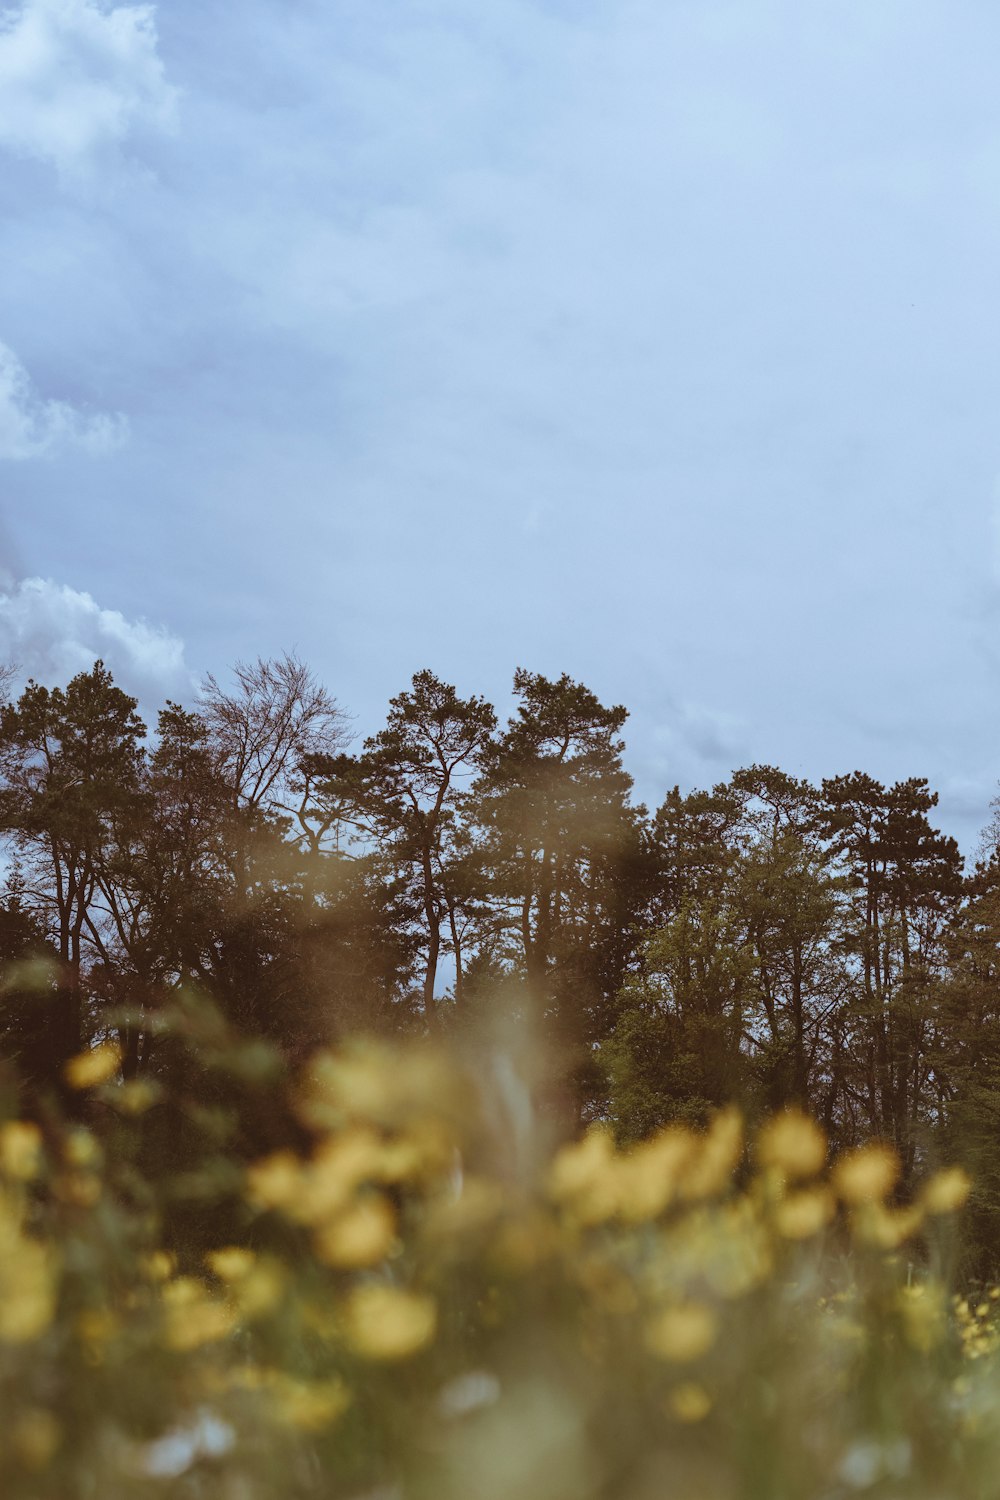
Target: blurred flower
x=136, y=1096
x=649, y=1177
x=947, y=1191
x=717, y=1154
x=682, y=1333
x=867, y=1174
x=792, y=1144
x=689, y=1402
x=803, y=1214
x=361, y=1236
x=20, y=1150
x=388, y=1323
x=28, y=1286
x=96, y=1066
x=274, y=1181
x=193, y=1316
x=886, y=1228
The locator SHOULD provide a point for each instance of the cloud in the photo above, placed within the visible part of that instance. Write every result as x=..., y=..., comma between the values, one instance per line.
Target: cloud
x=31, y=427
x=77, y=78
x=52, y=631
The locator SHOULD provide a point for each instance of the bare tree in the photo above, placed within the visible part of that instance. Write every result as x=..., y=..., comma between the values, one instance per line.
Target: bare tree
x=264, y=729
x=8, y=674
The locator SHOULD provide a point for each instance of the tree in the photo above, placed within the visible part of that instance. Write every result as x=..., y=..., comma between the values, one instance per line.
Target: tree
x=265, y=729
x=905, y=880
x=70, y=764
x=409, y=795
x=564, y=854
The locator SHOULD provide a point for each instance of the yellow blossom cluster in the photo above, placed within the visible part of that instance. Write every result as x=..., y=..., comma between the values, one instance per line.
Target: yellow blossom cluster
x=393, y=1297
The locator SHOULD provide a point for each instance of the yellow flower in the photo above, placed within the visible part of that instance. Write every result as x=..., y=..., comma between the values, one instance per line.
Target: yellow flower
x=362, y=1236
x=20, y=1150
x=159, y=1265
x=340, y=1165
x=137, y=1096
x=716, y=1156
x=682, y=1333
x=80, y=1149
x=389, y=1323
x=803, y=1214
x=867, y=1174
x=274, y=1181
x=231, y=1263
x=193, y=1316
x=309, y=1406
x=793, y=1144
x=27, y=1291
x=946, y=1191
x=649, y=1177
x=886, y=1228
x=93, y=1067
x=689, y=1402
x=577, y=1166
x=375, y=1083
x=923, y=1312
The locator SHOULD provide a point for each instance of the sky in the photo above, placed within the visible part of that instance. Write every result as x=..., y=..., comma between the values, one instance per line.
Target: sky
x=653, y=341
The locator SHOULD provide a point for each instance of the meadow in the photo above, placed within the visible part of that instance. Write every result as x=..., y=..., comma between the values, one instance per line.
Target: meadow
x=422, y=1298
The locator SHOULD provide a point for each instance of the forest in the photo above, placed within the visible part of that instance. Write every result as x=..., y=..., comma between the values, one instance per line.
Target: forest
x=764, y=943
x=430, y=1118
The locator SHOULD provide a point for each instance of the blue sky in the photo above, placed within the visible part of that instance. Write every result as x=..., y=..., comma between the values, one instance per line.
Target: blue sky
x=653, y=341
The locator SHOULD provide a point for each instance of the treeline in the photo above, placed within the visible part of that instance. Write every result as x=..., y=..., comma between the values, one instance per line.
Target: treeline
x=767, y=941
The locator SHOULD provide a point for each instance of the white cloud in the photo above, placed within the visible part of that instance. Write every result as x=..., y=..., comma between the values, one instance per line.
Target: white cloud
x=77, y=78
x=52, y=631
x=31, y=427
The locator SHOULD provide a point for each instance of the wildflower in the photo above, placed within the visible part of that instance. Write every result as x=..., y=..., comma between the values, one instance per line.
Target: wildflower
x=389, y=1323
x=946, y=1191
x=584, y=1176
x=308, y=1406
x=274, y=1181
x=886, y=1228
x=255, y=1286
x=803, y=1214
x=649, y=1176
x=689, y=1402
x=792, y=1144
x=193, y=1316
x=80, y=1149
x=716, y=1156
x=577, y=1166
x=922, y=1311
x=341, y=1164
x=231, y=1263
x=159, y=1265
x=136, y=1096
x=682, y=1333
x=20, y=1150
x=27, y=1291
x=867, y=1174
x=373, y=1083
x=360, y=1237
x=95, y=1066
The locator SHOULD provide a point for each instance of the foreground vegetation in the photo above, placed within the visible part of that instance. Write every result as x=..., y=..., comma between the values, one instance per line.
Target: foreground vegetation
x=420, y=1298
x=434, y=1121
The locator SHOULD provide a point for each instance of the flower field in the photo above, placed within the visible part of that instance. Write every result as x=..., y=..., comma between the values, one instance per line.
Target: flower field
x=418, y=1298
